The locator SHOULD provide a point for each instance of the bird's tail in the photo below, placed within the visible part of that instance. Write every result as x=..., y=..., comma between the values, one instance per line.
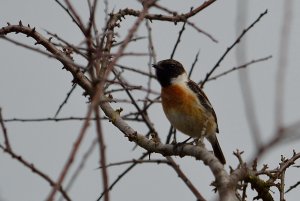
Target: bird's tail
x=217, y=148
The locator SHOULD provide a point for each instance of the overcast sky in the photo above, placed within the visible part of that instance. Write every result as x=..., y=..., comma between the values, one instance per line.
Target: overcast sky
x=33, y=86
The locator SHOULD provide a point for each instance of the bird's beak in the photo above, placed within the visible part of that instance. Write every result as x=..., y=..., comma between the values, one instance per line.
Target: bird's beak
x=154, y=66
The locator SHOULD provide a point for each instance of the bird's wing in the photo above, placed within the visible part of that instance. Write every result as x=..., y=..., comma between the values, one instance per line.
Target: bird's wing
x=203, y=99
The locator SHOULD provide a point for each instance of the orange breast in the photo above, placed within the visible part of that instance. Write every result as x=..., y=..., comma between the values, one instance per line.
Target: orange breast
x=185, y=112
x=178, y=97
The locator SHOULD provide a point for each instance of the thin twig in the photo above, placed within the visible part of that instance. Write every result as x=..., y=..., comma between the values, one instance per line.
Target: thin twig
x=4, y=130
x=74, y=48
x=283, y=63
x=35, y=170
x=132, y=40
x=293, y=187
x=157, y=161
x=178, y=40
x=48, y=119
x=122, y=175
x=72, y=155
x=39, y=50
x=65, y=100
x=102, y=155
x=184, y=178
x=76, y=16
x=144, y=116
x=194, y=63
x=71, y=15
x=230, y=48
x=80, y=166
x=135, y=70
x=127, y=39
x=152, y=59
x=240, y=67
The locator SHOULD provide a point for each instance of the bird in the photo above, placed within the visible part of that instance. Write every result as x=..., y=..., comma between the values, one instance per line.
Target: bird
x=186, y=106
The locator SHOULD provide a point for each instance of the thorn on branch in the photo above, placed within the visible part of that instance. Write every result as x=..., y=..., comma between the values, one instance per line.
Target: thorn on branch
x=132, y=136
x=155, y=138
x=110, y=96
x=37, y=42
x=20, y=23
x=119, y=110
x=85, y=94
x=114, y=117
x=74, y=81
x=238, y=154
x=8, y=24
x=117, y=24
x=265, y=167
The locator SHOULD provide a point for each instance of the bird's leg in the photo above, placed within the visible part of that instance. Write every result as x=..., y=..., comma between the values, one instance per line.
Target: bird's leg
x=185, y=141
x=174, y=135
x=181, y=144
x=200, y=141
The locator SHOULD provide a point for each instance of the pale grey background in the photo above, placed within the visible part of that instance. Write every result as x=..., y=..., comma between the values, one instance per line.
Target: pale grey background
x=32, y=85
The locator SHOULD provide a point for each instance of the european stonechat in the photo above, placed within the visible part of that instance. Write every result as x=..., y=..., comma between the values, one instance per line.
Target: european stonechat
x=186, y=105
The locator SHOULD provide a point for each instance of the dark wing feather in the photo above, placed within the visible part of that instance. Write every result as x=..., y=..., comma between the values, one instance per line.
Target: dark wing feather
x=203, y=99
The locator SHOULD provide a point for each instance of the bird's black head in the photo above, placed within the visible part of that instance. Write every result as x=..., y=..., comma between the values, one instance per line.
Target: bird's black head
x=167, y=71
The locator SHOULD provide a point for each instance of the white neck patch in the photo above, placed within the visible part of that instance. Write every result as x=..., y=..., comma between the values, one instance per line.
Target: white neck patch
x=180, y=79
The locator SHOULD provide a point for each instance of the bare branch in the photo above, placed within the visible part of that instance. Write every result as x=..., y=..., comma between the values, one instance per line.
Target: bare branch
x=71, y=156
x=184, y=178
x=282, y=63
x=35, y=170
x=4, y=130
x=71, y=15
x=122, y=175
x=65, y=100
x=102, y=155
x=178, y=40
x=80, y=166
x=240, y=67
x=230, y=48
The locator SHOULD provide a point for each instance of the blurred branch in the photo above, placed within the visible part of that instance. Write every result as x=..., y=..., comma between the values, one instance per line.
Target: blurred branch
x=152, y=59
x=35, y=170
x=185, y=179
x=73, y=151
x=282, y=63
x=76, y=173
x=102, y=154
